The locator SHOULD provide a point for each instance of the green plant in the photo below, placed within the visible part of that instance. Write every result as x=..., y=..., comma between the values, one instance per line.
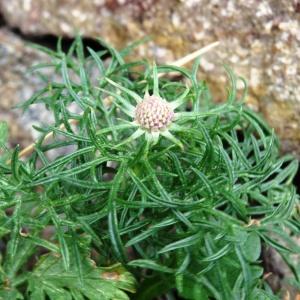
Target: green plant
x=182, y=207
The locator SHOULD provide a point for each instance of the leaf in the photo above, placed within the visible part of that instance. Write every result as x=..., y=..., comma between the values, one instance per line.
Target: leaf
x=114, y=53
x=154, y=286
x=216, y=256
x=43, y=243
x=186, y=242
x=150, y=264
x=190, y=288
x=7, y=294
x=15, y=164
x=155, y=81
x=70, y=172
x=252, y=247
x=259, y=294
x=64, y=250
x=113, y=226
x=276, y=245
x=3, y=231
x=204, y=181
x=245, y=269
x=51, y=279
x=96, y=56
x=69, y=86
x=3, y=133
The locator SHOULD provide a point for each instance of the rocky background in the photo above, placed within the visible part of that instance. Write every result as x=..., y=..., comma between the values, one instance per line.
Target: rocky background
x=260, y=39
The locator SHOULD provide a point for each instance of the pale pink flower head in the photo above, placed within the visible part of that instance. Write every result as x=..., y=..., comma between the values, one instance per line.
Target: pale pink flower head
x=154, y=113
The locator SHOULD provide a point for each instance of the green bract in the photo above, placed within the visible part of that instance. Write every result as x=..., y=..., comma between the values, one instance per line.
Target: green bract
x=176, y=195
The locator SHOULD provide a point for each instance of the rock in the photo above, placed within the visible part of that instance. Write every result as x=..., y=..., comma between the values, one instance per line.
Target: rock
x=277, y=273
x=16, y=85
x=260, y=40
x=284, y=117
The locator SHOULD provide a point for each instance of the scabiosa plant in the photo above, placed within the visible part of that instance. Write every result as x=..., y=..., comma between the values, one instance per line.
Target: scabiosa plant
x=151, y=191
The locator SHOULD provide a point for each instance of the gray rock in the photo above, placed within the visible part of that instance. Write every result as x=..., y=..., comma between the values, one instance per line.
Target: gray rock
x=16, y=84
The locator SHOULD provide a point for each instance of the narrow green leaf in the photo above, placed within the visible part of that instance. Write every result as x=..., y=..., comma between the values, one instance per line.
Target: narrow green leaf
x=151, y=265
x=114, y=233
x=3, y=134
x=186, y=242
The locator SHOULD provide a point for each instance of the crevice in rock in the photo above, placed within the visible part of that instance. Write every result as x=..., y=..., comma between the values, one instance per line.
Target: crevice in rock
x=2, y=21
x=50, y=41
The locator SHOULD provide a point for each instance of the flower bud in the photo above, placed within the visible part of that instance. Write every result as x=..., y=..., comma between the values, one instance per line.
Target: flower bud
x=154, y=113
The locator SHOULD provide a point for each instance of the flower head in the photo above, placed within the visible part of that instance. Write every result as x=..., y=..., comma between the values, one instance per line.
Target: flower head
x=153, y=116
x=154, y=113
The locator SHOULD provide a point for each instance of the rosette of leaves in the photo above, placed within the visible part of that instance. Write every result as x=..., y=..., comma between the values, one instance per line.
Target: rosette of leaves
x=183, y=202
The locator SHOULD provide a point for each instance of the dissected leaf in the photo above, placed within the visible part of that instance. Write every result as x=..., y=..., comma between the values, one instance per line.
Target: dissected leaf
x=50, y=278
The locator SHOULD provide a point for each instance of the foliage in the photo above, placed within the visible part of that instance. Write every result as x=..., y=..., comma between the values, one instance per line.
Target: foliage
x=190, y=217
